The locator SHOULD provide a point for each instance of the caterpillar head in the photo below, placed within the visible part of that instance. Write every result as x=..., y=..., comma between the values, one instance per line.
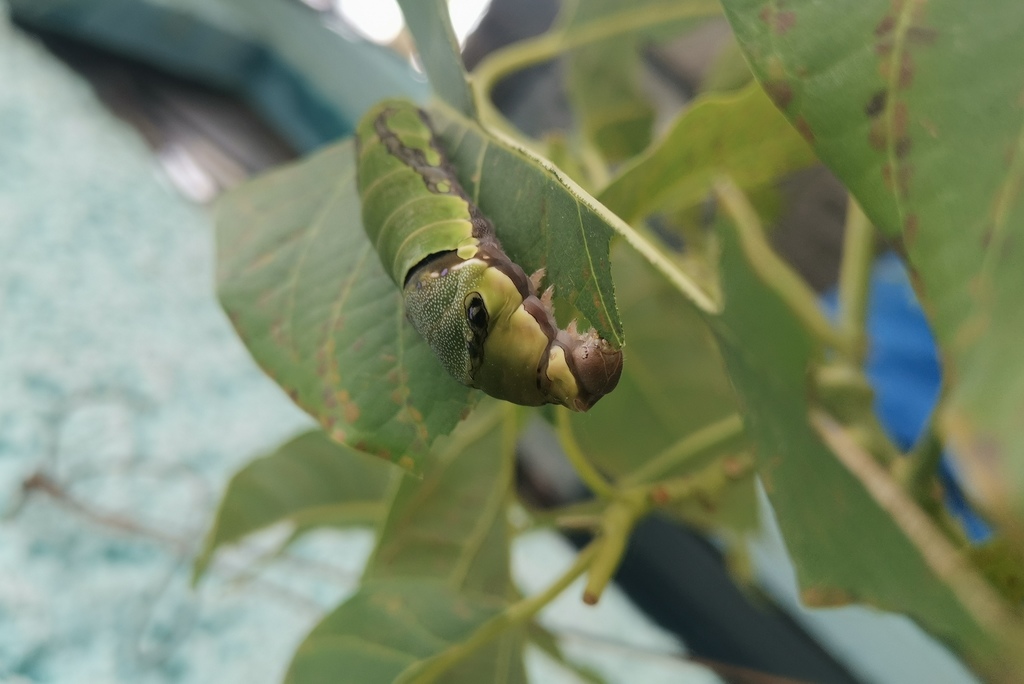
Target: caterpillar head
x=482, y=317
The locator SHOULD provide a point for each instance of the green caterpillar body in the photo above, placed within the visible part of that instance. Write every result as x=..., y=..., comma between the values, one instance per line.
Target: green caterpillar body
x=474, y=306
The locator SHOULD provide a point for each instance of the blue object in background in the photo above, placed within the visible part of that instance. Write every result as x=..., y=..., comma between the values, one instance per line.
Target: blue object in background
x=903, y=368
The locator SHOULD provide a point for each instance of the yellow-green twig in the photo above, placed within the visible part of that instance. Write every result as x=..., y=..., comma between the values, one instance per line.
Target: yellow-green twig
x=949, y=565
x=707, y=482
x=617, y=525
x=855, y=278
x=516, y=614
x=587, y=472
x=718, y=435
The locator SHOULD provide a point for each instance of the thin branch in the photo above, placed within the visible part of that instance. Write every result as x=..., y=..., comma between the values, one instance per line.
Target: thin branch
x=40, y=482
x=706, y=483
x=717, y=435
x=516, y=614
x=973, y=593
x=587, y=472
x=617, y=525
x=855, y=278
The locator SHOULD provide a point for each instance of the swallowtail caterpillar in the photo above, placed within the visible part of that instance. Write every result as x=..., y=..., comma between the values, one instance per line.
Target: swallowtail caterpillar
x=474, y=306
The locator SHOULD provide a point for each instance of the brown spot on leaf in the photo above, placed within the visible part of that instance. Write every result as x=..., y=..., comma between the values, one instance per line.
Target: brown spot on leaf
x=783, y=21
x=779, y=20
x=902, y=148
x=910, y=225
x=338, y=435
x=780, y=92
x=986, y=236
x=406, y=463
x=734, y=468
x=906, y=76
x=876, y=104
x=878, y=135
x=804, y=129
x=899, y=182
x=885, y=27
x=294, y=394
x=899, y=120
x=659, y=495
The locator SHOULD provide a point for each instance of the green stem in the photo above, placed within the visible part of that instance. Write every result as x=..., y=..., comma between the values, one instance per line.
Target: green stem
x=772, y=270
x=587, y=472
x=855, y=278
x=516, y=614
x=707, y=482
x=717, y=435
x=975, y=595
x=633, y=504
x=526, y=53
x=617, y=525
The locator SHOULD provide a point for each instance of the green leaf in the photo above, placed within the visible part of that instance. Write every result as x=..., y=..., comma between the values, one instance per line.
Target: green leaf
x=917, y=107
x=542, y=218
x=740, y=134
x=604, y=88
x=431, y=28
x=844, y=546
x=439, y=571
x=306, y=292
x=673, y=384
x=604, y=78
x=309, y=481
x=390, y=625
x=451, y=524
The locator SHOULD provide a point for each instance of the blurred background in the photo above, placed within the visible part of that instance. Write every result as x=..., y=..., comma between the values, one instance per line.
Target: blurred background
x=126, y=400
